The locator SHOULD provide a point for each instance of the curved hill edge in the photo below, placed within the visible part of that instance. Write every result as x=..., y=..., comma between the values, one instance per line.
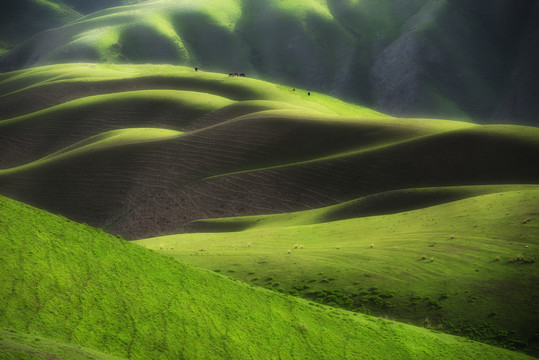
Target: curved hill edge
x=527, y=135
x=106, y=78
x=385, y=203
x=109, y=139
x=191, y=100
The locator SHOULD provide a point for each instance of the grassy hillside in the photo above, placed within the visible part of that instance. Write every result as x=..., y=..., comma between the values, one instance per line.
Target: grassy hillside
x=16, y=346
x=247, y=147
x=466, y=266
x=73, y=284
x=420, y=58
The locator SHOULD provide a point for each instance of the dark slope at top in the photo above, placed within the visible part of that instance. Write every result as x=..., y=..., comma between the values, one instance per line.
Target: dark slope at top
x=21, y=19
x=424, y=58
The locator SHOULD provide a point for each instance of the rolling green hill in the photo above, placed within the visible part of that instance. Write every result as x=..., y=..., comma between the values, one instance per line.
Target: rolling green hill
x=428, y=58
x=466, y=266
x=149, y=150
x=247, y=147
x=68, y=285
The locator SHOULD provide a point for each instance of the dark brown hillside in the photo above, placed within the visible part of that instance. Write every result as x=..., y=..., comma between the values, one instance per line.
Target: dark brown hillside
x=157, y=188
x=99, y=186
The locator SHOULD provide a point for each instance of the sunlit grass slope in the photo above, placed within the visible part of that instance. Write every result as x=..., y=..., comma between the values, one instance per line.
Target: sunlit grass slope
x=50, y=83
x=71, y=283
x=467, y=266
x=17, y=346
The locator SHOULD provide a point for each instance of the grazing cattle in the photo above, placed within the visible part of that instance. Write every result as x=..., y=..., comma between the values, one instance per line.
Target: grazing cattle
x=294, y=89
x=236, y=74
x=309, y=93
x=196, y=69
x=242, y=75
x=230, y=74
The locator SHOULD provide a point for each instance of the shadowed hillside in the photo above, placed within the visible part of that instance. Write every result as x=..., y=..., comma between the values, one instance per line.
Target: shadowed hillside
x=428, y=58
x=227, y=147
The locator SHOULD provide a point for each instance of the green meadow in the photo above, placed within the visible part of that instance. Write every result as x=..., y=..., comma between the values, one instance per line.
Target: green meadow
x=67, y=283
x=465, y=266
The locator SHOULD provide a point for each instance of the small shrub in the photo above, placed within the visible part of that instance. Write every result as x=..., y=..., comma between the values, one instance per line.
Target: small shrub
x=434, y=305
x=296, y=246
x=372, y=245
x=288, y=251
x=338, y=247
x=424, y=257
x=301, y=246
x=497, y=258
x=255, y=279
x=432, y=259
x=217, y=270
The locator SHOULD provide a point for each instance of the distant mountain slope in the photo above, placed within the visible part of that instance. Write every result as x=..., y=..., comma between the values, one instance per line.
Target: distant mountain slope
x=74, y=284
x=20, y=19
x=435, y=58
x=223, y=146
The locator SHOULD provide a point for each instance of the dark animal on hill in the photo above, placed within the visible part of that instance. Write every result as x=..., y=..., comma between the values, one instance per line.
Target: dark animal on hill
x=242, y=75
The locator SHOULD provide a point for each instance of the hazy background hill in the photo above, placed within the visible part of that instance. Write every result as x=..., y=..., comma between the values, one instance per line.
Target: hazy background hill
x=436, y=58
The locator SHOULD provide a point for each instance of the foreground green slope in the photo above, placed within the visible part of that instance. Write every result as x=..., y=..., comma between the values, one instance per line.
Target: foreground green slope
x=16, y=346
x=71, y=283
x=467, y=266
